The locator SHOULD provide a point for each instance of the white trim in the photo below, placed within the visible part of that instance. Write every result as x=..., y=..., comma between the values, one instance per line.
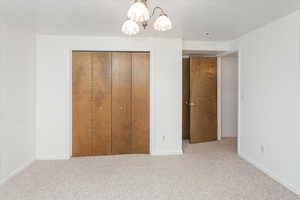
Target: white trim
x=166, y=152
x=219, y=97
x=54, y=157
x=70, y=103
x=273, y=176
x=222, y=54
x=239, y=105
x=151, y=101
x=16, y=172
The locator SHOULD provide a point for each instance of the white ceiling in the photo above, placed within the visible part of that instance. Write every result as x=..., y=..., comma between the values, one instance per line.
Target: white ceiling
x=224, y=19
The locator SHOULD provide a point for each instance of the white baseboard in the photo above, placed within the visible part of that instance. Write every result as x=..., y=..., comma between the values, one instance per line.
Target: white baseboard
x=54, y=157
x=16, y=171
x=273, y=176
x=153, y=152
x=166, y=152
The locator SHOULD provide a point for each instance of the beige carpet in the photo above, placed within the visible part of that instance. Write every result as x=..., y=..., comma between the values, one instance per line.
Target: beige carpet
x=209, y=171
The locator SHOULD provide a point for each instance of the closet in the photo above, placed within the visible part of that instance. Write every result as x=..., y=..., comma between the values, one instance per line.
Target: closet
x=110, y=103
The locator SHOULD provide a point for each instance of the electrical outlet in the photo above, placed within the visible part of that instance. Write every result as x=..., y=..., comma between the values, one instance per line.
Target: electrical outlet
x=262, y=149
x=2, y=97
x=163, y=138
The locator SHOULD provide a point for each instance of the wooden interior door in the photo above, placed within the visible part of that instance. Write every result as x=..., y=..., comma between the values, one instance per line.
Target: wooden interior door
x=82, y=96
x=140, y=103
x=101, y=103
x=121, y=103
x=185, y=98
x=203, y=99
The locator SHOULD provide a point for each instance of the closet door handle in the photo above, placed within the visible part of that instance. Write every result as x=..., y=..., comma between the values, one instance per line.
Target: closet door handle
x=192, y=104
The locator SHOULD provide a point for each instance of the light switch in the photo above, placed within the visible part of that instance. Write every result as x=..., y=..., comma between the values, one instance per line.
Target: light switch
x=242, y=97
x=2, y=102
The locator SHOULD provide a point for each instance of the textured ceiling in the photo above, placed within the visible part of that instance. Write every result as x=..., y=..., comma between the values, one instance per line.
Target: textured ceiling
x=224, y=19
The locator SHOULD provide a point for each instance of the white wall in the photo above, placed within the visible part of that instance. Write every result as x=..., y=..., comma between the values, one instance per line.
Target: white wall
x=17, y=97
x=206, y=46
x=269, y=107
x=54, y=90
x=229, y=95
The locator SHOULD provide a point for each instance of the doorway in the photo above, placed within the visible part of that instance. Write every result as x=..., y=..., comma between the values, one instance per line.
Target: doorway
x=222, y=93
x=229, y=96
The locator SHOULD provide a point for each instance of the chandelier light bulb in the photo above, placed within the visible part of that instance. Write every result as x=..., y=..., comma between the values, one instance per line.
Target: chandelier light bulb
x=138, y=12
x=163, y=23
x=130, y=27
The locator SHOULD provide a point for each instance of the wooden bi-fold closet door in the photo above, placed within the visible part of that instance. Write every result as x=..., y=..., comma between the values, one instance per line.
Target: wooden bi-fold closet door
x=121, y=103
x=110, y=103
x=81, y=103
x=140, y=103
x=130, y=103
x=91, y=103
x=101, y=103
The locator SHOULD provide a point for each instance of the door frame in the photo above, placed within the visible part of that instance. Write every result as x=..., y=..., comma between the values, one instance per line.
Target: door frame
x=219, y=97
x=239, y=93
x=70, y=95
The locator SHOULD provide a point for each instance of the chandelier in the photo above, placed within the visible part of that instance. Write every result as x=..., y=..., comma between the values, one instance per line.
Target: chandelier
x=139, y=13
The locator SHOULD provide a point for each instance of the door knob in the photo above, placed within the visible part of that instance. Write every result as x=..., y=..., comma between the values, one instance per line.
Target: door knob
x=190, y=104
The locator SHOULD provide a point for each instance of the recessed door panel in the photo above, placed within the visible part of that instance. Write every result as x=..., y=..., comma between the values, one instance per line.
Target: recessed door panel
x=101, y=104
x=81, y=102
x=140, y=103
x=121, y=103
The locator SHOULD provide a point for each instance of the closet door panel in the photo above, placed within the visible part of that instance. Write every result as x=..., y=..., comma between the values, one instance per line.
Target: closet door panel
x=121, y=103
x=82, y=96
x=140, y=103
x=101, y=104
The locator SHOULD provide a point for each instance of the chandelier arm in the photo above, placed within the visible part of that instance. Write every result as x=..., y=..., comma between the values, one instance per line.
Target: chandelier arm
x=158, y=8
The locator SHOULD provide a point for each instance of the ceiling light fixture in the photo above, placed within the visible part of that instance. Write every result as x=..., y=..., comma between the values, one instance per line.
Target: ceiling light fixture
x=139, y=13
x=130, y=27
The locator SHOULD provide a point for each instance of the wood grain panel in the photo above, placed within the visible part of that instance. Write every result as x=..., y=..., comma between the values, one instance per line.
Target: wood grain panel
x=82, y=96
x=140, y=103
x=121, y=103
x=101, y=104
x=203, y=99
x=185, y=98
